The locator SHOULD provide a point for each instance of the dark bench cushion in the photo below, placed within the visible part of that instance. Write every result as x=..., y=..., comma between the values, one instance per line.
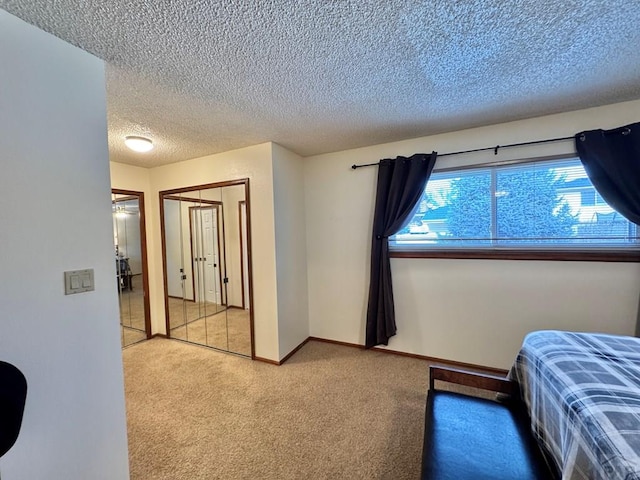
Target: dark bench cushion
x=470, y=438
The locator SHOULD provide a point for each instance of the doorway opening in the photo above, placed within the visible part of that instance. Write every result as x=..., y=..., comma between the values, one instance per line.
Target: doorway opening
x=132, y=277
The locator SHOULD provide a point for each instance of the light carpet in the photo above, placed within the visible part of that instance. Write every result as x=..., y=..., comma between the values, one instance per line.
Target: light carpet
x=330, y=412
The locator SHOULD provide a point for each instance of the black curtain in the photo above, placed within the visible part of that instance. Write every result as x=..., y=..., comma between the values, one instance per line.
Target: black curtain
x=611, y=159
x=401, y=182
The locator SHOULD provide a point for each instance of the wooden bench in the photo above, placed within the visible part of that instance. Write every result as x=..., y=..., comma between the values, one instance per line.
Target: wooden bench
x=467, y=437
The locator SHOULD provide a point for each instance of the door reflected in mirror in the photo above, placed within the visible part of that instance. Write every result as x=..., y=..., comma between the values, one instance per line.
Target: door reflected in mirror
x=206, y=253
x=131, y=263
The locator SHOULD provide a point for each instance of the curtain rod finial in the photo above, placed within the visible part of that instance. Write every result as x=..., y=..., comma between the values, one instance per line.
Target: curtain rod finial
x=354, y=166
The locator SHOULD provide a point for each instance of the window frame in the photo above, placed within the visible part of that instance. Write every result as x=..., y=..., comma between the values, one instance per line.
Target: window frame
x=551, y=253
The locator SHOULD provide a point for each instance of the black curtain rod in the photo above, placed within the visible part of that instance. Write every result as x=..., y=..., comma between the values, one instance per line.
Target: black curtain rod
x=495, y=149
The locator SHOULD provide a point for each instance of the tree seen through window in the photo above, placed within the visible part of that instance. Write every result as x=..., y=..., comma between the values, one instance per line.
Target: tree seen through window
x=532, y=204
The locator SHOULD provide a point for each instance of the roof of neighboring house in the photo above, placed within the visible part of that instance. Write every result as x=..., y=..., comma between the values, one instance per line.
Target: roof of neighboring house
x=583, y=182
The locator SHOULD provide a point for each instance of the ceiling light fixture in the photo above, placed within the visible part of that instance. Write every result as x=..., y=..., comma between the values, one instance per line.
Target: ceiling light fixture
x=138, y=144
x=120, y=211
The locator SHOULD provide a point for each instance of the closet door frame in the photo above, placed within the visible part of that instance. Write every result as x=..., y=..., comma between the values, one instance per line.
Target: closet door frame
x=172, y=192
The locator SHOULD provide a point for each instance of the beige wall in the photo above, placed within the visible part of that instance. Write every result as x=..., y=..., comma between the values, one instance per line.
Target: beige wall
x=291, y=251
x=254, y=163
x=474, y=311
x=54, y=153
x=277, y=228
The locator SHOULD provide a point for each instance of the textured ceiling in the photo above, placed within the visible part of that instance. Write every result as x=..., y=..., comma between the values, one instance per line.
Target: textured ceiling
x=202, y=77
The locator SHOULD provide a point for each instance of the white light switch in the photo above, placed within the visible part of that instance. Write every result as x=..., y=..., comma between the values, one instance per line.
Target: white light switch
x=78, y=281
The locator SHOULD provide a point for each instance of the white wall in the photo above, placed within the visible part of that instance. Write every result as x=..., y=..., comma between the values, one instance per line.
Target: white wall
x=230, y=197
x=56, y=216
x=291, y=252
x=474, y=311
x=186, y=249
x=173, y=243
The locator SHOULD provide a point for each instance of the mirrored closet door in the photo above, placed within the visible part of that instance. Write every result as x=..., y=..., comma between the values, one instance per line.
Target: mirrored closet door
x=206, y=252
x=131, y=265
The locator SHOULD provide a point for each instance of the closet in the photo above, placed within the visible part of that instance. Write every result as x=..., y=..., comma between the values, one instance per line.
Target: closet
x=207, y=264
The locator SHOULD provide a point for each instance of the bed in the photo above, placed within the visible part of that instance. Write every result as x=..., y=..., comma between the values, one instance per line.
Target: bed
x=582, y=392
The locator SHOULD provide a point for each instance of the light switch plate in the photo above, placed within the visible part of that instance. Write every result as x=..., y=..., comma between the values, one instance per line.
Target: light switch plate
x=78, y=281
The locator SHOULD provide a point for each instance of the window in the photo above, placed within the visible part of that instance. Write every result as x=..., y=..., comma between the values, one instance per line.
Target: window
x=546, y=206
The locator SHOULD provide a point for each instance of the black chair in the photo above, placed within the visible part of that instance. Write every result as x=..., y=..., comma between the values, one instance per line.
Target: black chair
x=13, y=394
x=124, y=274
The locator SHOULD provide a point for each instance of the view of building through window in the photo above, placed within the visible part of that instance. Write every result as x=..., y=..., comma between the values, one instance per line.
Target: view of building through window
x=538, y=204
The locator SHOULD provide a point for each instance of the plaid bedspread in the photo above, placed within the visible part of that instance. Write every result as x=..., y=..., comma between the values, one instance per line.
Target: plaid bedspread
x=583, y=394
